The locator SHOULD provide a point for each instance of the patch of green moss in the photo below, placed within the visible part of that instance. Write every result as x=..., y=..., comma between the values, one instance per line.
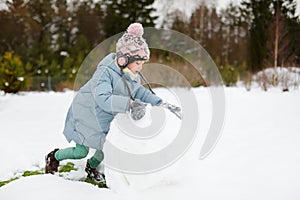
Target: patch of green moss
x=67, y=168
x=100, y=185
x=6, y=182
x=32, y=173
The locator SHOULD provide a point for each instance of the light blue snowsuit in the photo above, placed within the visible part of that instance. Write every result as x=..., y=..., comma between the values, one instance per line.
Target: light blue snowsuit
x=99, y=100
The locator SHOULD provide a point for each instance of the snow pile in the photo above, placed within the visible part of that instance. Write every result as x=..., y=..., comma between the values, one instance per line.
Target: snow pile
x=287, y=77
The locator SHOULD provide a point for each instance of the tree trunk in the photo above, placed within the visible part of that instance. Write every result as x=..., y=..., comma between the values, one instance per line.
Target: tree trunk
x=275, y=76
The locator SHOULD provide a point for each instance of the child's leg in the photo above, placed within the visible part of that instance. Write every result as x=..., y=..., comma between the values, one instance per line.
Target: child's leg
x=96, y=159
x=78, y=152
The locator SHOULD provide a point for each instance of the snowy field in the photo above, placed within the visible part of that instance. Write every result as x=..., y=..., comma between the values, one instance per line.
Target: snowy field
x=257, y=157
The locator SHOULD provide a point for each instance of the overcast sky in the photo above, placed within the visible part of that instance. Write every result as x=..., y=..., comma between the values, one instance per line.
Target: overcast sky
x=223, y=3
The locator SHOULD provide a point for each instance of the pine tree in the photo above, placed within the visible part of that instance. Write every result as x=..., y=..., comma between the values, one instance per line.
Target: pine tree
x=259, y=12
x=89, y=22
x=121, y=13
x=11, y=73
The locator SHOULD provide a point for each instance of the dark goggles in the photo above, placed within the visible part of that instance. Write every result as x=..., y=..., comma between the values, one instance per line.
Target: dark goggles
x=132, y=59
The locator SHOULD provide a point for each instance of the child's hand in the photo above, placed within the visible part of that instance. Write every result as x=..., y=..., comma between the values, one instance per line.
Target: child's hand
x=137, y=109
x=174, y=109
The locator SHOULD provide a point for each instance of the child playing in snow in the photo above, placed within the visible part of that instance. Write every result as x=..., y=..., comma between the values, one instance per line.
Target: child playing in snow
x=114, y=88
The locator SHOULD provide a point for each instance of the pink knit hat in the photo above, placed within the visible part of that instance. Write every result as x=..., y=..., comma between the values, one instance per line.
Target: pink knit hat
x=132, y=42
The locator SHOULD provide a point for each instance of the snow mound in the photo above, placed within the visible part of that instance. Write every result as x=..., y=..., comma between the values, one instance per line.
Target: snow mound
x=287, y=77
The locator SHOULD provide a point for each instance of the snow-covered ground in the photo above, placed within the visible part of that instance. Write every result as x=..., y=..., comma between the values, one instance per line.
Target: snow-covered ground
x=257, y=157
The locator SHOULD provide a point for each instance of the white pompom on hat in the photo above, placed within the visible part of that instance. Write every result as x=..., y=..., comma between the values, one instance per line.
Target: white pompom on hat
x=132, y=42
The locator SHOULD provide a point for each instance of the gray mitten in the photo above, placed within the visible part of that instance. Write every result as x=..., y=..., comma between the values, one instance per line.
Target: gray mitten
x=174, y=109
x=137, y=109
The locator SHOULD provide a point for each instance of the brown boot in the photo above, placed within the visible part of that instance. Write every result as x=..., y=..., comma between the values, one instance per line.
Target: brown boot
x=93, y=174
x=51, y=163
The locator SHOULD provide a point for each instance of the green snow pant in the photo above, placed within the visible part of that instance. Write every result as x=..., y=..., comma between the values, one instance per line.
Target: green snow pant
x=79, y=152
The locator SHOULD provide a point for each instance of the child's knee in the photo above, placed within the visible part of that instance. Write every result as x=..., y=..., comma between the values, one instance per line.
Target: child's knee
x=81, y=152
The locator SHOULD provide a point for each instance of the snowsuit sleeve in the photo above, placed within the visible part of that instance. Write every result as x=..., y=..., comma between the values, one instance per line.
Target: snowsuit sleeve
x=103, y=93
x=147, y=96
